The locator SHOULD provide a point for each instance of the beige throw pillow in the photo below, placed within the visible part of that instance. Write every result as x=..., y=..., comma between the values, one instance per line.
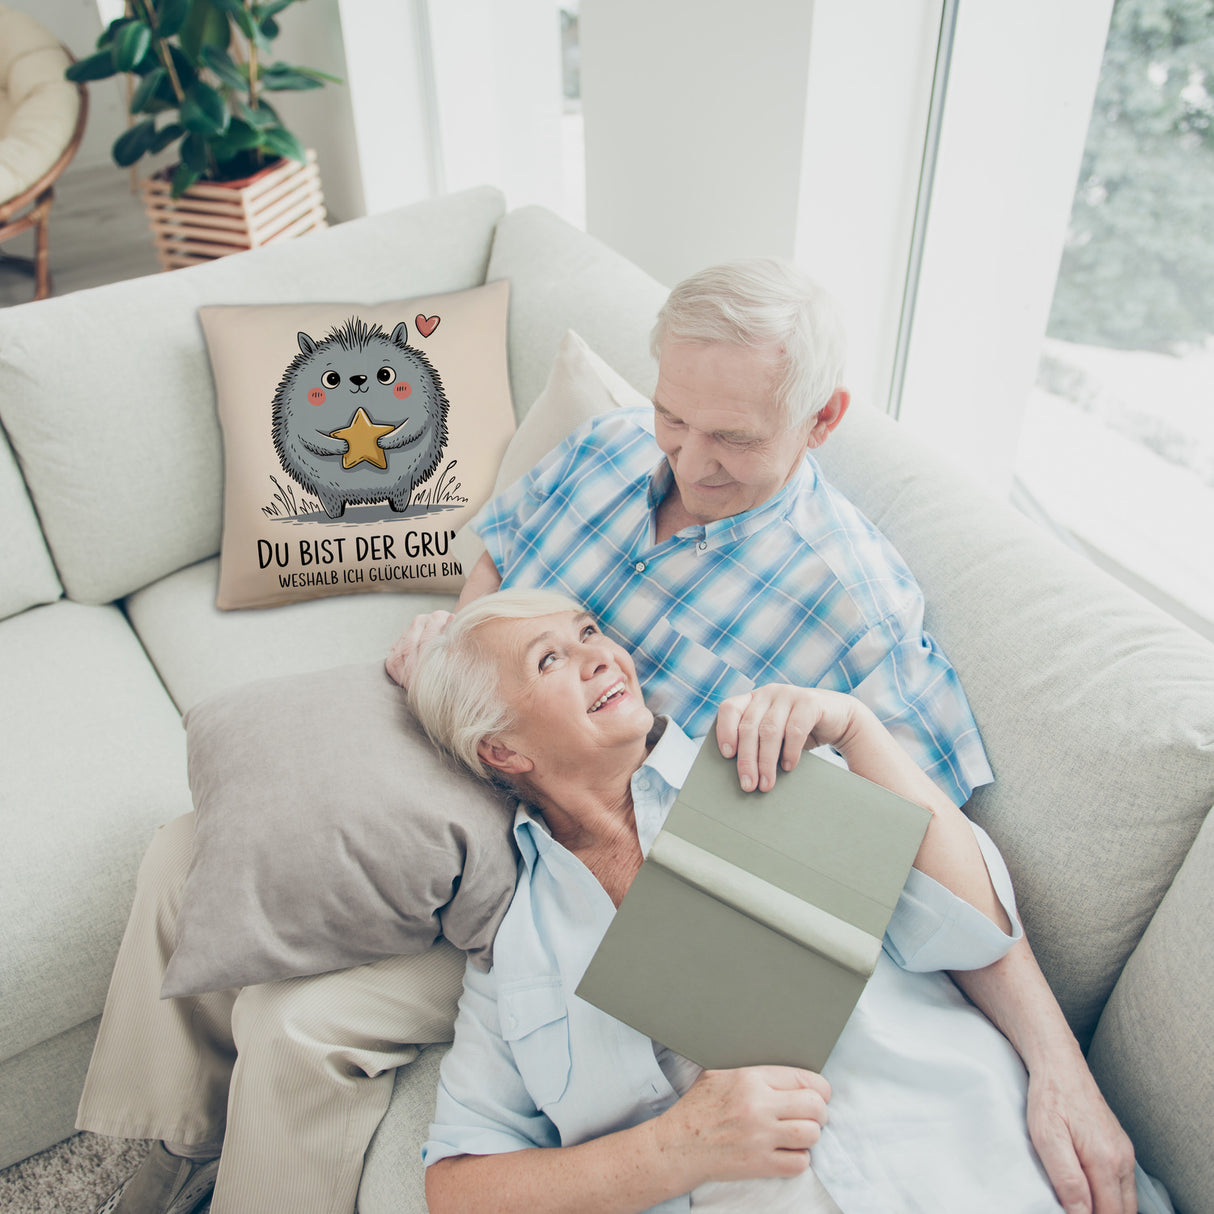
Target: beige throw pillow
x=358, y=440
x=580, y=386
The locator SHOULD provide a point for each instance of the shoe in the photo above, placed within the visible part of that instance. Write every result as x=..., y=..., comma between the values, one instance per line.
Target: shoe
x=164, y=1184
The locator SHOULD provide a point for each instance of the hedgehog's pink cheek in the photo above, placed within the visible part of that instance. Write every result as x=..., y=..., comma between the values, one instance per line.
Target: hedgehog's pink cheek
x=316, y=396
x=402, y=389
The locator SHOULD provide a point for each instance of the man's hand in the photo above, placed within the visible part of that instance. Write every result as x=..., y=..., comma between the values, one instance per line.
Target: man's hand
x=1087, y=1155
x=401, y=660
x=770, y=727
x=750, y=1122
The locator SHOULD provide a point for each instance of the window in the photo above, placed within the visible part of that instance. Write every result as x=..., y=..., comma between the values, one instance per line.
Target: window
x=1117, y=443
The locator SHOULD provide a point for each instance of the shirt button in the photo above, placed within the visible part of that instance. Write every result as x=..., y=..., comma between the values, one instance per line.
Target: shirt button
x=702, y=545
x=639, y=566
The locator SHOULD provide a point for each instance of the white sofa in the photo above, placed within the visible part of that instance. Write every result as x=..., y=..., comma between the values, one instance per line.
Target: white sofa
x=1097, y=711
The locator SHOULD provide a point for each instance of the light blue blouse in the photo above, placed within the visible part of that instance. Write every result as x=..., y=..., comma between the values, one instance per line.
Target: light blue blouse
x=928, y=1104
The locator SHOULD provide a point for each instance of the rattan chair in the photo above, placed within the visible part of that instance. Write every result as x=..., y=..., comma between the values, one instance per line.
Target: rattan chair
x=42, y=118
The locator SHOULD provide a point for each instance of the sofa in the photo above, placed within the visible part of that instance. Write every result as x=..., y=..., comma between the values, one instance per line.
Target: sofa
x=1097, y=710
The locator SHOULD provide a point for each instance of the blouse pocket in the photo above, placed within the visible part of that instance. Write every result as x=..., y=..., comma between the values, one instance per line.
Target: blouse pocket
x=681, y=672
x=535, y=1023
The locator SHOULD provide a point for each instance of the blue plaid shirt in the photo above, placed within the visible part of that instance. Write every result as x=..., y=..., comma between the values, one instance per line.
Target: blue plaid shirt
x=802, y=589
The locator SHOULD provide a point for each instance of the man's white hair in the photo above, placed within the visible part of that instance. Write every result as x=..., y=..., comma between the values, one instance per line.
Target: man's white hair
x=763, y=303
x=455, y=692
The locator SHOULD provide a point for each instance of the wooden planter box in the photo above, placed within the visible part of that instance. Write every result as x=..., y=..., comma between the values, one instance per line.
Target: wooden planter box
x=215, y=218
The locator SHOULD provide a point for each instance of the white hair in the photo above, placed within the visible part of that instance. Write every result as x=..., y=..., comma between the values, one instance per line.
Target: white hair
x=454, y=691
x=763, y=303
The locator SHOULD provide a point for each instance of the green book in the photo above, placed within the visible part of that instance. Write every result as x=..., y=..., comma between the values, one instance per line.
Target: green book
x=757, y=918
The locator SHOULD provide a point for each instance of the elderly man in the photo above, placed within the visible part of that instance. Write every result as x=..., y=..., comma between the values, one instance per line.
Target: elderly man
x=704, y=538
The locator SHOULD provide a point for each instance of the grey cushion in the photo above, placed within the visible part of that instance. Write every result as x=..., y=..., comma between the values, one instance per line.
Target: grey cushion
x=134, y=490
x=92, y=761
x=1095, y=708
x=27, y=575
x=200, y=650
x=1153, y=1052
x=329, y=833
x=562, y=279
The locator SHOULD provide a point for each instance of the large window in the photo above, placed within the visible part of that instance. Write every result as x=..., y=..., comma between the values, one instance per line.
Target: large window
x=1117, y=444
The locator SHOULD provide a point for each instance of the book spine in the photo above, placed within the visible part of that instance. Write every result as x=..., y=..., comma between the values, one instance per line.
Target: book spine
x=802, y=922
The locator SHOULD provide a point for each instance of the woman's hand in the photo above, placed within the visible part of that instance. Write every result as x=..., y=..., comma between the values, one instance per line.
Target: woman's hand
x=772, y=725
x=402, y=659
x=755, y=1121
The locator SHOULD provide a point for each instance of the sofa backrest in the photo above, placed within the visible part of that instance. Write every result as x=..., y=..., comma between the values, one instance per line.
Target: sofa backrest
x=27, y=574
x=107, y=394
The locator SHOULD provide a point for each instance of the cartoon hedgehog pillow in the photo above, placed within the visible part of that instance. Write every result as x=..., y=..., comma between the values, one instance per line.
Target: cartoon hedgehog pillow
x=358, y=440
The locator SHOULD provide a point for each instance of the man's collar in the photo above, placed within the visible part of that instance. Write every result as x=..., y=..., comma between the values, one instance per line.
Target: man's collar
x=737, y=526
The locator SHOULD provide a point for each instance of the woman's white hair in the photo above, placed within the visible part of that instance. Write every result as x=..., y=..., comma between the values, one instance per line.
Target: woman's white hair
x=454, y=691
x=763, y=303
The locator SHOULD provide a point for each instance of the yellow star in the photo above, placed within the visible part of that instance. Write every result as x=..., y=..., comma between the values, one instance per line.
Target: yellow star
x=362, y=437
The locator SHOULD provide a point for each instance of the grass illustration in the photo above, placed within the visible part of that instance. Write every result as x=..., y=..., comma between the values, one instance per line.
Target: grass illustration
x=284, y=504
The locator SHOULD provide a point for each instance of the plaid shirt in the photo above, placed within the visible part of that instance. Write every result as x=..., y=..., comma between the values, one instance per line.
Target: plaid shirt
x=802, y=589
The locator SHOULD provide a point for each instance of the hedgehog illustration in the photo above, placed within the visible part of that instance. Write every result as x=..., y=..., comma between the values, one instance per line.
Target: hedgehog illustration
x=360, y=416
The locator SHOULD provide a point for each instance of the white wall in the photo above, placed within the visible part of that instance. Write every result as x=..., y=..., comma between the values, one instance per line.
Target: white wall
x=694, y=128
x=870, y=82
x=1020, y=96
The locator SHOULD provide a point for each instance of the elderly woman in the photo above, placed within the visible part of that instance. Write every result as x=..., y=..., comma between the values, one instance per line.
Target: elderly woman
x=547, y=1103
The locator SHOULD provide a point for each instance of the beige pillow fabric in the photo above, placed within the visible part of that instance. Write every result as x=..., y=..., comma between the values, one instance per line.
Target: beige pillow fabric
x=357, y=441
x=329, y=832
x=580, y=386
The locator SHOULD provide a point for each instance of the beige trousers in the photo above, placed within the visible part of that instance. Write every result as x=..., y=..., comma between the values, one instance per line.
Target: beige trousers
x=293, y=1076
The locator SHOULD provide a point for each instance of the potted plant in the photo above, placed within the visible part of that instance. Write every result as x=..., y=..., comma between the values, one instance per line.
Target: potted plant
x=201, y=71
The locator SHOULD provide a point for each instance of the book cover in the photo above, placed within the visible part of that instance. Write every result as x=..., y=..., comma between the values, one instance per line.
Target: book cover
x=755, y=921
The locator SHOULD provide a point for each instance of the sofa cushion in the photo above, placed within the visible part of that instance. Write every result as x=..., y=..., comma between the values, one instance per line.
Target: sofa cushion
x=329, y=832
x=1096, y=709
x=93, y=760
x=135, y=493
x=580, y=386
x=1152, y=1054
x=199, y=650
x=562, y=279
x=302, y=520
x=27, y=575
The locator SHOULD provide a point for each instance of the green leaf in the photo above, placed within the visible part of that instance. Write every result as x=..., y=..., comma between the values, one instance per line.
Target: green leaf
x=132, y=144
x=268, y=29
x=144, y=97
x=281, y=142
x=205, y=26
x=171, y=16
x=187, y=73
x=131, y=44
x=166, y=135
x=183, y=178
x=225, y=67
x=108, y=34
x=241, y=137
x=194, y=153
x=95, y=67
x=317, y=74
x=262, y=118
x=203, y=111
x=279, y=77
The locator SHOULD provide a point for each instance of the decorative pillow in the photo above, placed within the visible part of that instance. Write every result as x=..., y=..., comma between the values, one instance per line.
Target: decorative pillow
x=329, y=832
x=580, y=386
x=357, y=441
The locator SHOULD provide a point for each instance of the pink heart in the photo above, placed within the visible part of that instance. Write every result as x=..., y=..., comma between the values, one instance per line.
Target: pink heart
x=426, y=324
